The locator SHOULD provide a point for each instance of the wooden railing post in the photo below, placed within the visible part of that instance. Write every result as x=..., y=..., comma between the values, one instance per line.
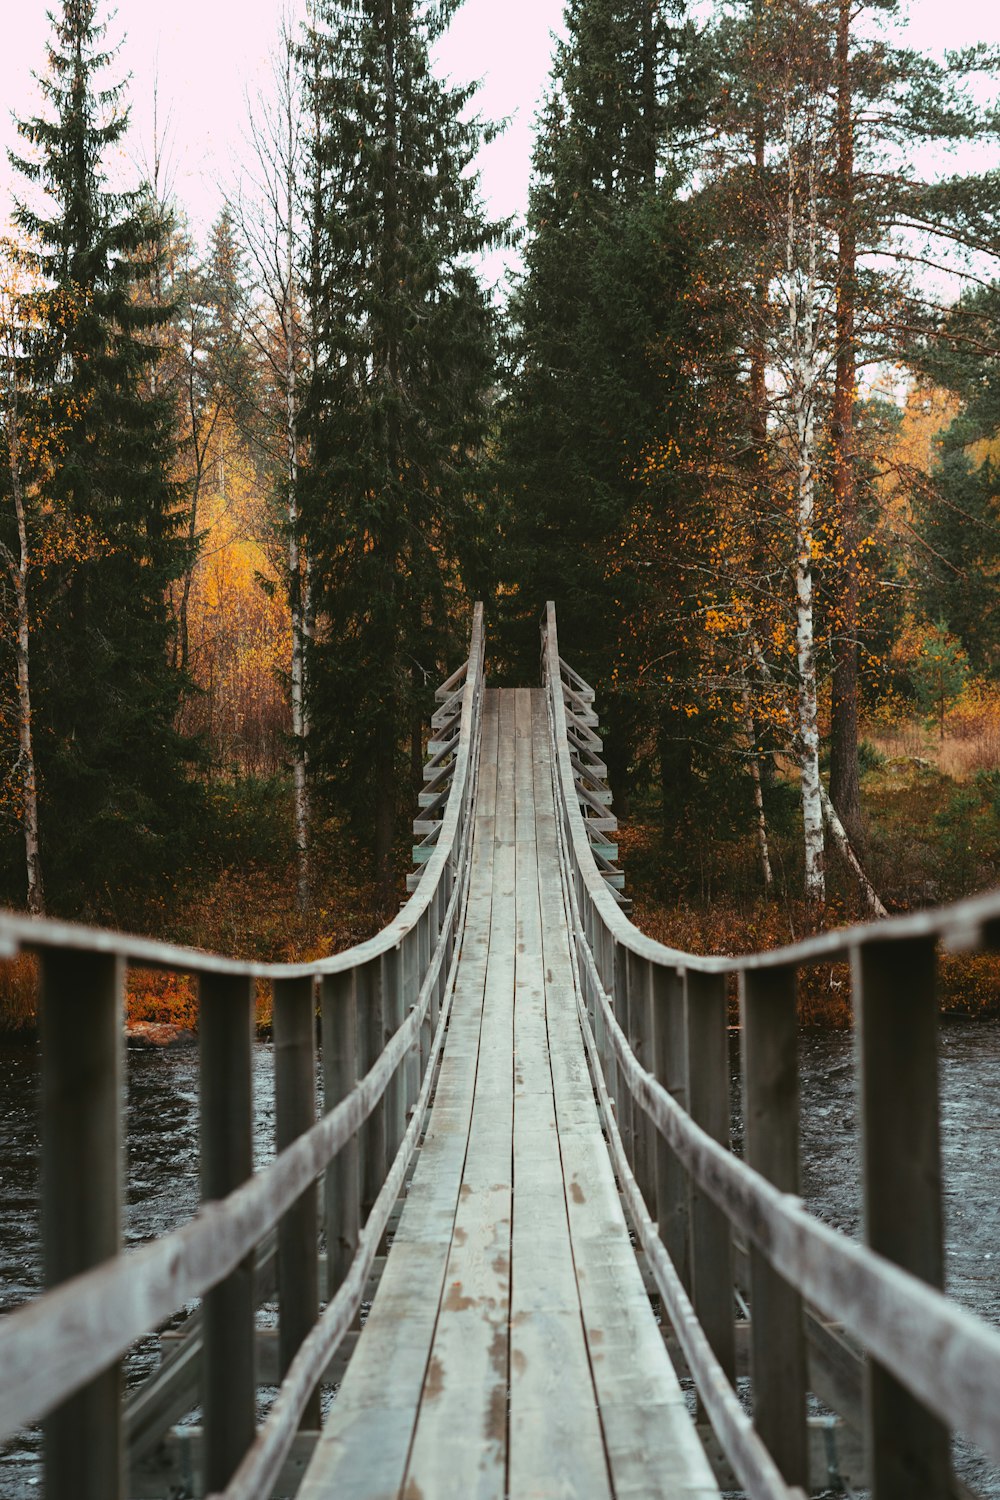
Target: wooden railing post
x=295, y=1113
x=340, y=1074
x=641, y=1040
x=392, y=1016
x=423, y=964
x=371, y=1040
x=411, y=989
x=771, y=1114
x=225, y=1029
x=82, y=1175
x=626, y=1110
x=673, y=1210
x=436, y=918
x=705, y=1009
x=895, y=1001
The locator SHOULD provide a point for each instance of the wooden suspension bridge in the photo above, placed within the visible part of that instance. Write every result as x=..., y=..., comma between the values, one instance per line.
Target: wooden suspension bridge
x=525, y=1170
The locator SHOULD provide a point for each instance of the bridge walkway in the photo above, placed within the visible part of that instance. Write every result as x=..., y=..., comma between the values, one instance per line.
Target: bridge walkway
x=511, y=1348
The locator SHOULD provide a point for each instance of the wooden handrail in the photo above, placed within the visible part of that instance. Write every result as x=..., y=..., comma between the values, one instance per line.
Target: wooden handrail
x=36, y=934
x=644, y=1008
x=101, y=1301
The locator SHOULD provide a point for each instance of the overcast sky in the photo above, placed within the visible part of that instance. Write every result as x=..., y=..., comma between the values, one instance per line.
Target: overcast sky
x=208, y=54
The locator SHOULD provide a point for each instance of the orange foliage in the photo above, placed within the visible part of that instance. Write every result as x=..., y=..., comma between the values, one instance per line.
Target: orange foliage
x=239, y=625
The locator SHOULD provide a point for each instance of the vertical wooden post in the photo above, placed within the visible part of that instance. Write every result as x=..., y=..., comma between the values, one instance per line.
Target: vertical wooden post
x=340, y=1074
x=225, y=1030
x=411, y=989
x=673, y=1211
x=895, y=1003
x=295, y=1113
x=392, y=1016
x=771, y=1111
x=82, y=1177
x=423, y=964
x=640, y=1040
x=436, y=918
x=371, y=1033
x=708, y=1102
x=626, y=1108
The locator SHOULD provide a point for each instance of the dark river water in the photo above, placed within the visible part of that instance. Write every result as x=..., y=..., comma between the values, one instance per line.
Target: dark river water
x=163, y=1170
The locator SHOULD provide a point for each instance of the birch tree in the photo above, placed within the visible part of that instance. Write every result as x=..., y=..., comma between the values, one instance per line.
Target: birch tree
x=802, y=364
x=269, y=217
x=17, y=558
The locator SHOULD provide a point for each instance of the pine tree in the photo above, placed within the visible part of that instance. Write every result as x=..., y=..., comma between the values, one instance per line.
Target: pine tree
x=398, y=401
x=112, y=772
x=601, y=329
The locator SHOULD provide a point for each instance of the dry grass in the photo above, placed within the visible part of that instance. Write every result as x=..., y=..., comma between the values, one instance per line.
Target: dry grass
x=969, y=743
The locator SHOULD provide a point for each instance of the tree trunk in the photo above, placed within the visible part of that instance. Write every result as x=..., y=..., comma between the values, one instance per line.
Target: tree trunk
x=758, y=796
x=804, y=384
x=18, y=568
x=844, y=784
x=843, y=843
x=298, y=572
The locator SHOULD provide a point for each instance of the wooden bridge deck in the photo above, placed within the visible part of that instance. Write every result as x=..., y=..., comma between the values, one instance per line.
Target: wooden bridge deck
x=511, y=1348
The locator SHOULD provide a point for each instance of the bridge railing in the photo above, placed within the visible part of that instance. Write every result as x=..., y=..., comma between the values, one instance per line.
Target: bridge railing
x=384, y=1007
x=655, y=1023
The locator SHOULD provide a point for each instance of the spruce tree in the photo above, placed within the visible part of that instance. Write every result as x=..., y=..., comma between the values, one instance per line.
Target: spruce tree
x=112, y=764
x=601, y=326
x=398, y=401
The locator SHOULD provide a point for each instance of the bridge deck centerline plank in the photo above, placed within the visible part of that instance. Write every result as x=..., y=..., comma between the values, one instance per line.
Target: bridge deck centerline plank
x=511, y=1350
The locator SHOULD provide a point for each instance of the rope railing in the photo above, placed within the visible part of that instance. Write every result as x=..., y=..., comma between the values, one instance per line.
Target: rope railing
x=384, y=1007
x=655, y=1025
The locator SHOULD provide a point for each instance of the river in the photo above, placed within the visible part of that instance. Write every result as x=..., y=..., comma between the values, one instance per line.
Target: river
x=163, y=1170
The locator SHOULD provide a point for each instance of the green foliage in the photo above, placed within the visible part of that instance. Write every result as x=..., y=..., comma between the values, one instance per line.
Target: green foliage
x=398, y=405
x=939, y=672
x=112, y=764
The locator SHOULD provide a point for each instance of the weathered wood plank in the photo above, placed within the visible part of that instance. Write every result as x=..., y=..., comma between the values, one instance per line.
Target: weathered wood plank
x=556, y=1445
x=295, y=1113
x=460, y=1444
x=650, y=1440
x=82, y=1190
x=365, y=1445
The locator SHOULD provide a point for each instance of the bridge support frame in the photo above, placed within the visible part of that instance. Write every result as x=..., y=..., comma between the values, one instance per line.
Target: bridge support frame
x=706, y=1024
x=771, y=1115
x=229, y=1384
x=673, y=1192
x=295, y=1113
x=895, y=998
x=342, y=1188
x=82, y=1177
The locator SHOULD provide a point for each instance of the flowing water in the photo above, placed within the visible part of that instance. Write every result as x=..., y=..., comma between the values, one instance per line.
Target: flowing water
x=163, y=1173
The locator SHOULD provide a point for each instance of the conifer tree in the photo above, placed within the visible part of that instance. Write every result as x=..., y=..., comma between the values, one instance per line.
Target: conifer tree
x=111, y=761
x=398, y=400
x=601, y=326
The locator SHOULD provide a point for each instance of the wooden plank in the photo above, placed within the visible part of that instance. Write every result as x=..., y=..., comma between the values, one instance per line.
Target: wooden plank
x=705, y=1007
x=229, y=1395
x=364, y=1448
x=82, y=1189
x=771, y=1113
x=295, y=1113
x=650, y=1440
x=895, y=999
x=556, y=1445
x=460, y=1443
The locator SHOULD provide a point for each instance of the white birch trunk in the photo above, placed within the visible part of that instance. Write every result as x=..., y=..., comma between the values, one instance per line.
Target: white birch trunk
x=758, y=796
x=803, y=324
x=18, y=568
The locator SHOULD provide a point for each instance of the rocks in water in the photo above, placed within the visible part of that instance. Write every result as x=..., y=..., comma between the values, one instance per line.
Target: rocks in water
x=158, y=1035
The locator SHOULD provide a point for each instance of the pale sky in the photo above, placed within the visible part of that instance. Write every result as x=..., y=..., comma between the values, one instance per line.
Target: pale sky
x=208, y=54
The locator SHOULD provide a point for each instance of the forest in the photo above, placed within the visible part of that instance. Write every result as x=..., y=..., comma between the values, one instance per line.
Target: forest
x=738, y=414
